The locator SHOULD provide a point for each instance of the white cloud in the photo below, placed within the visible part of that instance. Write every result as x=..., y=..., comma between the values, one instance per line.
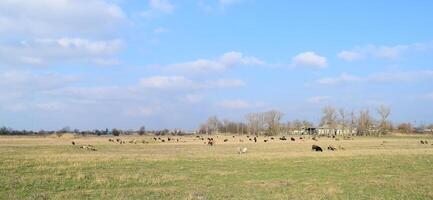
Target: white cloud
x=394, y=76
x=181, y=82
x=224, y=83
x=234, y=104
x=83, y=45
x=163, y=82
x=158, y=7
x=58, y=17
x=309, y=59
x=225, y=61
x=106, y=61
x=27, y=81
x=343, y=78
x=318, y=99
x=349, y=55
x=140, y=111
x=383, y=52
x=46, y=51
x=192, y=98
x=162, y=5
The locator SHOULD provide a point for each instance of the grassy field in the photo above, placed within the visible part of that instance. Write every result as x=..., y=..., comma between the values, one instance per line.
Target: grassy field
x=368, y=168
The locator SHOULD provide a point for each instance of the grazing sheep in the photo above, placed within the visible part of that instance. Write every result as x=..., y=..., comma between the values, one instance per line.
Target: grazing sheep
x=233, y=136
x=283, y=138
x=422, y=141
x=265, y=140
x=162, y=140
x=110, y=140
x=226, y=140
x=293, y=139
x=316, y=148
x=348, y=138
x=332, y=148
x=272, y=138
x=73, y=143
x=88, y=147
x=250, y=139
x=314, y=138
x=242, y=150
x=425, y=142
x=255, y=139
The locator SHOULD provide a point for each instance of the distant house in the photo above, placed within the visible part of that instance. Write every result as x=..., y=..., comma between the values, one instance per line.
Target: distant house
x=325, y=130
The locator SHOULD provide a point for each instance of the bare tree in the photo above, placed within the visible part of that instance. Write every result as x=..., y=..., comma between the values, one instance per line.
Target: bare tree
x=384, y=112
x=297, y=124
x=365, y=123
x=272, y=121
x=329, y=118
x=213, y=124
x=343, y=118
x=255, y=122
x=352, y=123
x=405, y=128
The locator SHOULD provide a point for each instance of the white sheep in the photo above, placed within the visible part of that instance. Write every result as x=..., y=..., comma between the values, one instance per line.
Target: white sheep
x=242, y=150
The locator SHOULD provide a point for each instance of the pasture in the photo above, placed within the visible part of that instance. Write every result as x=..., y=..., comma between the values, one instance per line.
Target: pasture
x=397, y=167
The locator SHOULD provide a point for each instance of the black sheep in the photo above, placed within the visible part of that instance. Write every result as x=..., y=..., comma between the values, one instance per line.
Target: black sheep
x=293, y=139
x=316, y=148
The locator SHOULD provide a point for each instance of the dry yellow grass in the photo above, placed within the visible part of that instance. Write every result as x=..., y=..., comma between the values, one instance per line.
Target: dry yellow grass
x=369, y=167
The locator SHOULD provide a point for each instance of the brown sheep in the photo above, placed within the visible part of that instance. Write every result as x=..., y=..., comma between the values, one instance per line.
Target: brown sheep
x=332, y=148
x=226, y=140
x=293, y=139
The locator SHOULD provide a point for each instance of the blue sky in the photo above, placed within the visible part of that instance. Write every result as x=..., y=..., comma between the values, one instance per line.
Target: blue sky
x=171, y=64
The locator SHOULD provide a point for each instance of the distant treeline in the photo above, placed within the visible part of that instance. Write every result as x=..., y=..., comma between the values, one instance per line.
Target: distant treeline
x=333, y=121
x=96, y=132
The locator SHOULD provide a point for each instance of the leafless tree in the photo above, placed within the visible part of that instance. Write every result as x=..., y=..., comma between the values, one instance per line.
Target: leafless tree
x=343, y=118
x=365, y=123
x=405, y=128
x=329, y=117
x=255, y=122
x=213, y=124
x=384, y=112
x=272, y=121
x=352, y=123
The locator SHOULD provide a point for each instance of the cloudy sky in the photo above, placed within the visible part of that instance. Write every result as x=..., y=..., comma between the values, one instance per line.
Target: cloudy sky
x=171, y=64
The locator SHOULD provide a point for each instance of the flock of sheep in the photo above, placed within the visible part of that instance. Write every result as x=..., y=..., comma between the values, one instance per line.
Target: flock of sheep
x=211, y=141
